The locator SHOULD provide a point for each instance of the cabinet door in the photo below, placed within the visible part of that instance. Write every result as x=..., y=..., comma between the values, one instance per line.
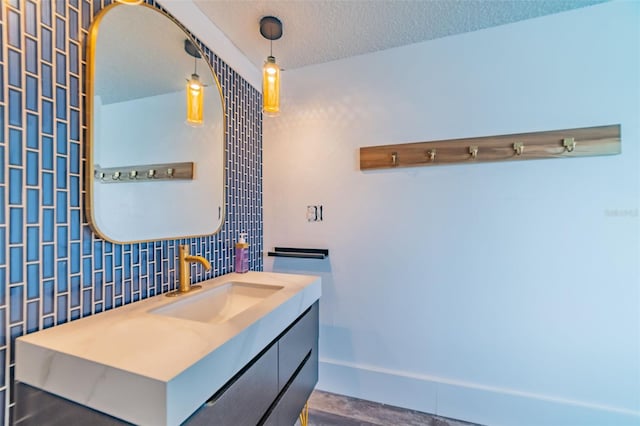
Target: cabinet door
x=296, y=343
x=35, y=407
x=245, y=400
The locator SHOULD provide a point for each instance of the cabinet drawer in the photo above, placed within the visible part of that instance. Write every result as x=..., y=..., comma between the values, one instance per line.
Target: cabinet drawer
x=244, y=401
x=296, y=394
x=296, y=343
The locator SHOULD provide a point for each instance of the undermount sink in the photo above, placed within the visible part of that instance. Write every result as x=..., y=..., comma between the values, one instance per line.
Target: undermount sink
x=219, y=304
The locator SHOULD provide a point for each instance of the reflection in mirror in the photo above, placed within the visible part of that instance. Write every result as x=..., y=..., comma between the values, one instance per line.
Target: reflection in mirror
x=152, y=172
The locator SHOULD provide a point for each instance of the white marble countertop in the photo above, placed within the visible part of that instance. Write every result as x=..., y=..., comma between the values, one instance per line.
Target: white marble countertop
x=151, y=369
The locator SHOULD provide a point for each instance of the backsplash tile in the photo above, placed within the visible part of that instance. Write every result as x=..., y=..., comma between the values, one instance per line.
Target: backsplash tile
x=53, y=269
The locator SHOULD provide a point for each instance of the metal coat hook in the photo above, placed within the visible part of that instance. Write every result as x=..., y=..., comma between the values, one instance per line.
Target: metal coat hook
x=569, y=144
x=518, y=147
x=432, y=154
x=473, y=150
x=116, y=176
x=394, y=158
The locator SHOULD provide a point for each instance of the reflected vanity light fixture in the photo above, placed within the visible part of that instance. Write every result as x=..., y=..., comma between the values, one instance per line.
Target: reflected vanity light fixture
x=195, y=89
x=271, y=29
x=130, y=2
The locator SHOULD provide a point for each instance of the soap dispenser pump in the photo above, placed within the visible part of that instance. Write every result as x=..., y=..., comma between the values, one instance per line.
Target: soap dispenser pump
x=242, y=254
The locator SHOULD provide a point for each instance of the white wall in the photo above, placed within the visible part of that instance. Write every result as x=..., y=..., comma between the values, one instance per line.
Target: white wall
x=501, y=293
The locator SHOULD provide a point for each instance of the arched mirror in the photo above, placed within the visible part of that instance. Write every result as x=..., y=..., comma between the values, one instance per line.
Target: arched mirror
x=153, y=173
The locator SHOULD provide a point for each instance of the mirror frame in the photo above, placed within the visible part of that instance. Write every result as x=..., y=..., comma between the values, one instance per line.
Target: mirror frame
x=91, y=45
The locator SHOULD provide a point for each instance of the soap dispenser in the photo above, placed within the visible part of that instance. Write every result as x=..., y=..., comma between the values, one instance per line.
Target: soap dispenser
x=242, y=254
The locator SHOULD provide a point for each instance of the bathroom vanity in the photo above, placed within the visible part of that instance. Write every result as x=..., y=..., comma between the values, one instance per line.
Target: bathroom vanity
x=243, y=350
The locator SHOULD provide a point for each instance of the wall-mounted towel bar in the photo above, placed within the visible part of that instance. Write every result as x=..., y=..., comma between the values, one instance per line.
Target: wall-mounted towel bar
x=603, y=140
x=304, y=253
x=144, y=173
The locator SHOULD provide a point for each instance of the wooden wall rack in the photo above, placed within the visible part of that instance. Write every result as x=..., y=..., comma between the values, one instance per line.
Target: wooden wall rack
x=588, y=141
x=144, y=173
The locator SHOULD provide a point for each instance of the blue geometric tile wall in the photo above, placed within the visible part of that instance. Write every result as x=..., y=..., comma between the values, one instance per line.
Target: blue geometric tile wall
x=53, y=269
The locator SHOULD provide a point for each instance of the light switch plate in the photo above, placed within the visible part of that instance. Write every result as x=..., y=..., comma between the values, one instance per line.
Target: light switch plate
x=314, y=213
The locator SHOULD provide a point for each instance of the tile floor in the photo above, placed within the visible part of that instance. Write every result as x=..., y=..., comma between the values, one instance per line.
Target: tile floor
x=328, y=409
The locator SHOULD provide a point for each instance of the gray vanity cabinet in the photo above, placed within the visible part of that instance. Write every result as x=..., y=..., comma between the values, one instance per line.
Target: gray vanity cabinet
x=271, y=390
x=274, y=387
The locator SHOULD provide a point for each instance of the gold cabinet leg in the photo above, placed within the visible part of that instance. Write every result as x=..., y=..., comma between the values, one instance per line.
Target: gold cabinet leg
x=304, y=415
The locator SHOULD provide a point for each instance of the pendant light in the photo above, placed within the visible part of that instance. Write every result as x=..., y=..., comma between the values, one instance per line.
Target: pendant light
x=195, y=89
x=271, y=29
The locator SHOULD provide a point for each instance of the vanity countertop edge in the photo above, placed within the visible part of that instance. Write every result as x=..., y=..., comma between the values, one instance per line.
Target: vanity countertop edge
x=152, y=369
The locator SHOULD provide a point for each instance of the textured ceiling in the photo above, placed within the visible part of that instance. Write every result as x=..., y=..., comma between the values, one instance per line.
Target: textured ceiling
x=317, y=31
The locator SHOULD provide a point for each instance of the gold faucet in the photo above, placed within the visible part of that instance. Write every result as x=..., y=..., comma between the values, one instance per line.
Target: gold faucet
x=184, y=267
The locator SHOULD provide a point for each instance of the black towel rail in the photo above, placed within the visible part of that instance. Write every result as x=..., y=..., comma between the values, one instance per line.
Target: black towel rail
x=303, y=253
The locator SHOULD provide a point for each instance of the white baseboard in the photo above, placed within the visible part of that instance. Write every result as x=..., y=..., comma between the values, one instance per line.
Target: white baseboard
x=465, y=401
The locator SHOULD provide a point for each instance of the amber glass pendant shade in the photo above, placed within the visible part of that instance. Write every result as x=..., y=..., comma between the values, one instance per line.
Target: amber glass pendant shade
x=271, y=87
x=195, y=101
